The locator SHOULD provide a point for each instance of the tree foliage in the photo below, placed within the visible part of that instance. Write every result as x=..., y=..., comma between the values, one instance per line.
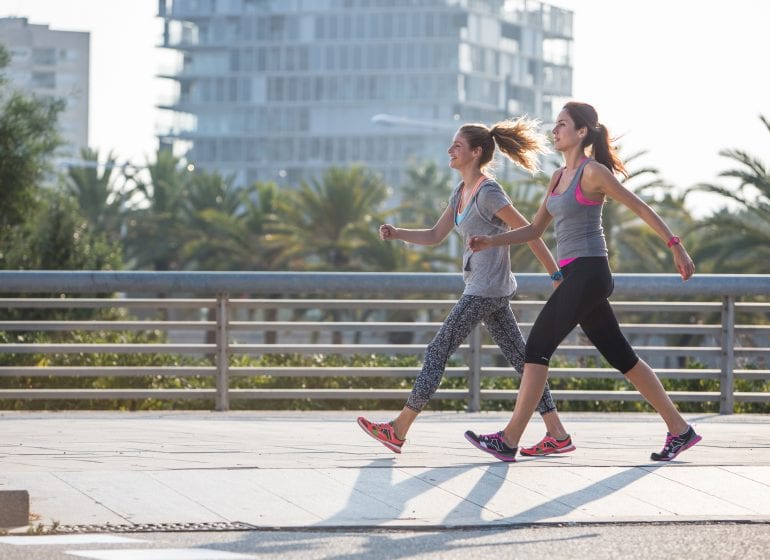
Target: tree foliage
x=28, y=139
x=738, y=240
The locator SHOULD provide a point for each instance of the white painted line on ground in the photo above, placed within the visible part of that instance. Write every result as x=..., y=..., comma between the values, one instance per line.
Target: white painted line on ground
x=34, y=540
x=161, y=554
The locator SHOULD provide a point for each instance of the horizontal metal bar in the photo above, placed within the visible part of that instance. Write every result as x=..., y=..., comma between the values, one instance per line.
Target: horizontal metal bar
x=668, y=286
x=345, y=304
x=606, y=395
x=105, y=394
x=752, y=397
x=95, y=303
x=340, y=371
x=106, y=371
x=106, y=325
x=351, y=326
x=353, y=372
x=349, y=394
x=327, y=326
x=516, y=304
x=107, y=348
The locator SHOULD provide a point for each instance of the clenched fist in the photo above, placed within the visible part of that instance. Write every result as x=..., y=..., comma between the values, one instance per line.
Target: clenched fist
x=479, y=243
x=387, y=232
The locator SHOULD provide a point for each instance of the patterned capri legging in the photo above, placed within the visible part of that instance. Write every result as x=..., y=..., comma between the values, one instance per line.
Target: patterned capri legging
x=468, y=312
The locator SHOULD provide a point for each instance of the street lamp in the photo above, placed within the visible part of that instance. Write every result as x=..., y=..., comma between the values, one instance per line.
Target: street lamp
x=393, y=120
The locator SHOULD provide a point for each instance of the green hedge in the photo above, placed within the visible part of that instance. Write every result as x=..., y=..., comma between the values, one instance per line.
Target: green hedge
x=160, y=381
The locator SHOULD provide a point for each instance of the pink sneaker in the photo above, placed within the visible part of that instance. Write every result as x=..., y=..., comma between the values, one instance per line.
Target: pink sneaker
x=384, y=433
x=548, y=445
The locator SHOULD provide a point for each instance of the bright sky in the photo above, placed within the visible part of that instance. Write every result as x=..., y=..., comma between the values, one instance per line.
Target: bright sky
x=681, y=79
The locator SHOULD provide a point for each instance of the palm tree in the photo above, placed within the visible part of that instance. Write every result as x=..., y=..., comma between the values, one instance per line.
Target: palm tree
x=323, y=224
x=738, y=240
x=94, y=187
x=235, y=234
x=424, y=195
x=155, y=228
x=208, y=210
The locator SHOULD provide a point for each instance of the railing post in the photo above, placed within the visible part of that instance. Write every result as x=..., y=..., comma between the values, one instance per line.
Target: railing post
x=726, y=377
x=223, y=354
x=474, y=370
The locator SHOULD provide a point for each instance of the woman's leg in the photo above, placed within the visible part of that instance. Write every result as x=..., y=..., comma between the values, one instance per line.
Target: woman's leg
x=602, y=328
x=464, y=316
x=504, y=330
x=648, y=384
x=533, y=382
x=578, y=293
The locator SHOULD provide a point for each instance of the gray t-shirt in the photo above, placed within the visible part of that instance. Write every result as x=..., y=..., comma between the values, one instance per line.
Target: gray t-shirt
x=486, y=273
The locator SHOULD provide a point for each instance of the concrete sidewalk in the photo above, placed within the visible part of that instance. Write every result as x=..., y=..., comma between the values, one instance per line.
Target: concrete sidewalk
x=318, y=469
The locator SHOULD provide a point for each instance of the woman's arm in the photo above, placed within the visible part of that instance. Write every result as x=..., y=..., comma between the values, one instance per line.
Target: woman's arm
x=515, y=220
x=598, y=179
x=522, y=234
x=431, y=236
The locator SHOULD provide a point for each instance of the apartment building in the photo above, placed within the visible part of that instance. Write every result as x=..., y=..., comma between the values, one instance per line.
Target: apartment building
x=51, y=63
x=280, y=90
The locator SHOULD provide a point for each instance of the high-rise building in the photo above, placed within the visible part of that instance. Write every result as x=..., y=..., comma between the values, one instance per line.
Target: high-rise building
x=282, y=89
x=51, y=63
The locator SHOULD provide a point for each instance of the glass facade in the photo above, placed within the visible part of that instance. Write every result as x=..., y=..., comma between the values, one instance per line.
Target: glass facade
x=280, y=90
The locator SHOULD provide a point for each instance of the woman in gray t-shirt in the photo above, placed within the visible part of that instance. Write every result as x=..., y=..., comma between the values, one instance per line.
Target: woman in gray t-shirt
x=479, y=206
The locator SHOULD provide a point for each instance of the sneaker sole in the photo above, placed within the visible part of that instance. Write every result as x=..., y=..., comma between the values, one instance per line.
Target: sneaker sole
x=394, y=448
x=695, y=440
x=506, y=458
x=555, y=451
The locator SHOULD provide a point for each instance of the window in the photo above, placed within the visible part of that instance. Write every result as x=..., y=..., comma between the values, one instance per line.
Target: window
x=44, y=57
x=44, y=80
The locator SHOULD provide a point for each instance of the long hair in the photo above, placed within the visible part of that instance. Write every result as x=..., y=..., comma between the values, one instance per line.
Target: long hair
x=518, y=140
x=598, y=137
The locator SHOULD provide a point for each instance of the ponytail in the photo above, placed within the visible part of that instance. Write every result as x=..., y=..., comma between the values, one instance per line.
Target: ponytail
x=603, y=151
x=521, y=142
x=598, y=137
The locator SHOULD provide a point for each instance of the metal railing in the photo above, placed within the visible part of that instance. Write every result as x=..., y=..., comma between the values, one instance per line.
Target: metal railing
x=221, y=317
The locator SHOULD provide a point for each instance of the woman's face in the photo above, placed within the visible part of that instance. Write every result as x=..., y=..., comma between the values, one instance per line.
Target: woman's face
x=460, y=153
x=564, y=134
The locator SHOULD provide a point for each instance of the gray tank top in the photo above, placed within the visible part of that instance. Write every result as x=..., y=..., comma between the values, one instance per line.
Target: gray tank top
x=578, y=225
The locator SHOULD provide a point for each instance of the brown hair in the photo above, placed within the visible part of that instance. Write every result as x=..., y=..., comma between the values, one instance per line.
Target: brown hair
x=598, y=137
x=519, y=140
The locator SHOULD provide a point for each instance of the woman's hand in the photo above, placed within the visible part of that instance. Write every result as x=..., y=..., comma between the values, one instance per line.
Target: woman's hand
x=387, y=232
x=683, y=262
x=479, y=243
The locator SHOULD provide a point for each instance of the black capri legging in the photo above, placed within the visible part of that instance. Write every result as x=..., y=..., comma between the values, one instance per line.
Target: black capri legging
x=581, y=299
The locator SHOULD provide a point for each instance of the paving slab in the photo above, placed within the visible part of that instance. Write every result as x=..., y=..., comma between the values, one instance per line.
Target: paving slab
x=317, y=469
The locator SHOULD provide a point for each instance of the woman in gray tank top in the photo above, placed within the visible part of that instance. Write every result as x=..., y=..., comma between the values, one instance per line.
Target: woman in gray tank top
x=574, y=202
x=478, y=205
